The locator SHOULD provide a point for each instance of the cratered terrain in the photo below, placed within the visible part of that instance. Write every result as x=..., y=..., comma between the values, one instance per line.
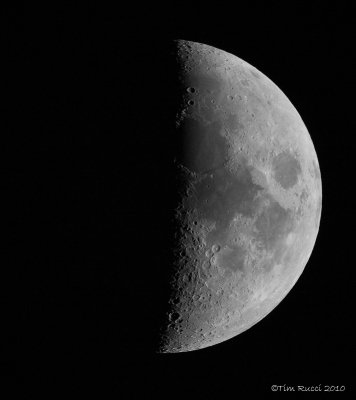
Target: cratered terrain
x=249, y=199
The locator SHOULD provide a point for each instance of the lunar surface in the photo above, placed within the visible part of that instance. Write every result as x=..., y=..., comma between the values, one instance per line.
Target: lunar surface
x=250, y=204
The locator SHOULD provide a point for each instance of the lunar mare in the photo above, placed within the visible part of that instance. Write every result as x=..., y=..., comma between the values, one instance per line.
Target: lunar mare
x=250, y=208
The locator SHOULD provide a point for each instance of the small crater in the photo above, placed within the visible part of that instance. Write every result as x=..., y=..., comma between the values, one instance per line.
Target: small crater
x=191, y=90
x=213, y=260
x=174, y=316
x=191, y=102
x=208, y=253
x=215, y=248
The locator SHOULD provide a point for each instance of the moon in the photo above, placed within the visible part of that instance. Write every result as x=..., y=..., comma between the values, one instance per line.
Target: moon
x=250, y=199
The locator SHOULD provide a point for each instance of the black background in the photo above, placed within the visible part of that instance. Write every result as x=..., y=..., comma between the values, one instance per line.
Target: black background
x=88, y=187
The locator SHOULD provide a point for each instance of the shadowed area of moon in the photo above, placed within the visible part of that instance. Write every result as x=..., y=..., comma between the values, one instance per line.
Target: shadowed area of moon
x=249, y=210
